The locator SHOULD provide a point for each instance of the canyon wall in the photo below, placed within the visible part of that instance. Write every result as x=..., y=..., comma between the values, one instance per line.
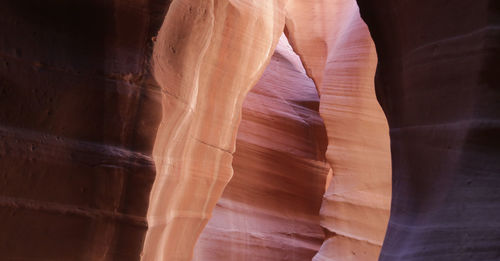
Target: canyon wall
x=207, y=56
x=78, y=118
x=99, y=161
x=270, y=208
x=437, y=81
x=338, y=53
x=81, y=114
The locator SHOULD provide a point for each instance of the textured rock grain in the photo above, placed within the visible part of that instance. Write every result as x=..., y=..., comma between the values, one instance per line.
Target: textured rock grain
x=270, y=208
x=78, y=117
x=338, y=53
x=437, y=81
x=208, y=55
x=98, y=162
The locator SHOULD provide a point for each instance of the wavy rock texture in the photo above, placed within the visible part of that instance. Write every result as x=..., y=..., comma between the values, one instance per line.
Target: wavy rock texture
x=269, y=210
x=80, y=112
x=338, y=53
x=207, y=57
x=437, y=81
x=78, y=117
x=195, y=140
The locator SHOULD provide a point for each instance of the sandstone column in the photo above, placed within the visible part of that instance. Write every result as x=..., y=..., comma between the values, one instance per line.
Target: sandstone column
x=270, y=209
x=338, y=53
x=207, y=56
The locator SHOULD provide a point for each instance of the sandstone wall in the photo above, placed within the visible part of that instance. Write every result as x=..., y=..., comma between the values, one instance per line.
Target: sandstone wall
x=207, y=56
x=270, y=208
x=78, y=118
x=99, y=161
x=437, y=81
x=338, y=53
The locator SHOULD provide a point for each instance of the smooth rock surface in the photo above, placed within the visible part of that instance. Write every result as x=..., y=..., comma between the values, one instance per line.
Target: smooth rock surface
x=80, y=113
x=207, y=57
x=338, y=53
x=270, y=208
x=437, y=81
x=100, y=162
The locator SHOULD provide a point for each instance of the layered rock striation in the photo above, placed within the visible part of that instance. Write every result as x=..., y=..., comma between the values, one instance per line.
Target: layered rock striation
x=207, y=57
x=437, y=81
x=79, y=113
x=270, y=208
x=99, y=161
x=341, y=59
x=338, y=53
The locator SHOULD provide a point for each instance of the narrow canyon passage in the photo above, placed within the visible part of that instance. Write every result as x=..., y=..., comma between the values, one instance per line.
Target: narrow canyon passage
x=341, y=61
x=201, y=114
x=270, y=208
x=129, y=130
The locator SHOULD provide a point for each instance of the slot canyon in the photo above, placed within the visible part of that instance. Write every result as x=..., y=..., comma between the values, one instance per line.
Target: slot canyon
x=250, y=130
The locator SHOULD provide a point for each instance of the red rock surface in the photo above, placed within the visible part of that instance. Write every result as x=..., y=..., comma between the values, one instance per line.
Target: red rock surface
x=207, y=57
x=335, y=46
x=269, y=210
x=78, y=118
x=100, y=162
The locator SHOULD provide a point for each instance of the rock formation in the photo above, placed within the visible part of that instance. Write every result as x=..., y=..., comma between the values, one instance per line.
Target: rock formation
x=437, y=81
x=338, y=53
x=78, y=119
x=269, y=210
x=102, y=160
x=367, y=192
x=207, y=57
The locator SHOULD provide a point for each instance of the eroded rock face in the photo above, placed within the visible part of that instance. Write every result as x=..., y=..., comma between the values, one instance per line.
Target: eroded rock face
x=80, y=113
x=270, y=208
x=93, y=154
x=78, y=118
x=437, y=82
x=207, y=57
x=338, y=53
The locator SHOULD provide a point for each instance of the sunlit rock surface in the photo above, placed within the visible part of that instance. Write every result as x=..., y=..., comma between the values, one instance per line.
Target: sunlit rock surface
x=270, y=208
x=99, y=161
x=338, y=53
x=207, y=56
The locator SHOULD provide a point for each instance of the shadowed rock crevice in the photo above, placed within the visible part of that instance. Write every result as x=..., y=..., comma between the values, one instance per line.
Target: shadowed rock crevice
x=437, y=81
x=78, y=115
